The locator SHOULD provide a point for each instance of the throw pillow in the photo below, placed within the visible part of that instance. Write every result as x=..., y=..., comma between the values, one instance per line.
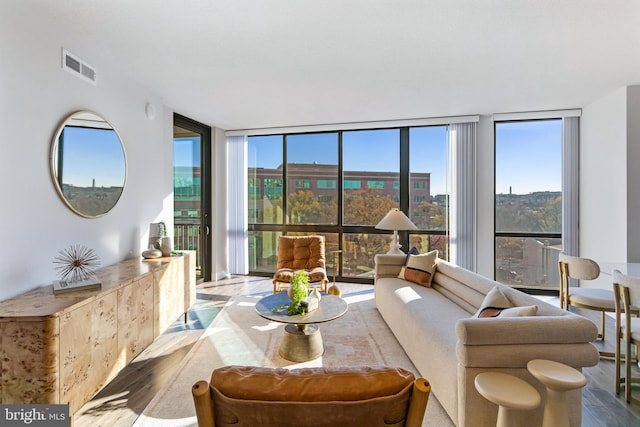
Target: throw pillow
x=493, y=304
x=529, y=310
x=412, y=251
x=419, y=268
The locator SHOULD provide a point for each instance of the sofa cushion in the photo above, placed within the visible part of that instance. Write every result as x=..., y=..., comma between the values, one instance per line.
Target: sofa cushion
x=317, y=274
x=419, y=268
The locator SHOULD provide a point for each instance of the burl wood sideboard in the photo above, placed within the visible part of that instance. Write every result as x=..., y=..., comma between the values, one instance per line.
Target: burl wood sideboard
x=64, y=348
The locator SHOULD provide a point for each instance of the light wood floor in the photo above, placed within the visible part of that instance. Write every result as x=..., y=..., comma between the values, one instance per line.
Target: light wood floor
x=124, y=398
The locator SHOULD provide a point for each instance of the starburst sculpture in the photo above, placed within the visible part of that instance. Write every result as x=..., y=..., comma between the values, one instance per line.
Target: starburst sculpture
x=76, y=263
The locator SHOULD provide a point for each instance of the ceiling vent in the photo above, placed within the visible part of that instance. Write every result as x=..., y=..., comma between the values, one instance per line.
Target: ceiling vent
x=78, y=67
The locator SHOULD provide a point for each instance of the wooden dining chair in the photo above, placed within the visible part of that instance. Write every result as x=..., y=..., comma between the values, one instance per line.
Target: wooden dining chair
x=626, y=291
x=587, y=298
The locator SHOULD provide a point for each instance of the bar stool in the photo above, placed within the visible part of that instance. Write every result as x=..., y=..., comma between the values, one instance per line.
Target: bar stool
x=509, y=393
x=559, y=379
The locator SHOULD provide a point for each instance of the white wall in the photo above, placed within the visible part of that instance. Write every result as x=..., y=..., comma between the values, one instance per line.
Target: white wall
x=609, y=175
x=603, y=178
x=36, y=95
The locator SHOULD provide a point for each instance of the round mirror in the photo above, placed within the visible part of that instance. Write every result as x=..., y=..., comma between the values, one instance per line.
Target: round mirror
x=88, y=164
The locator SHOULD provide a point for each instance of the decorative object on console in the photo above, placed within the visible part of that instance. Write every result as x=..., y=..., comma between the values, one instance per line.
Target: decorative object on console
x=61, y=286
x=159, y=238
x=75, y=265
x=152, y=252
x=395, y=220
x=76, y=262
x=155, y=234
x=166, y=245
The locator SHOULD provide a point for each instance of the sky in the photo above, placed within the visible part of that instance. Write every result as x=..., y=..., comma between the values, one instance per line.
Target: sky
x=528, y=156
x=186, y=151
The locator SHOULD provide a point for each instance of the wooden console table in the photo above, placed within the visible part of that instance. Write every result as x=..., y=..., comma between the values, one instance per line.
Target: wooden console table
x=64, y=348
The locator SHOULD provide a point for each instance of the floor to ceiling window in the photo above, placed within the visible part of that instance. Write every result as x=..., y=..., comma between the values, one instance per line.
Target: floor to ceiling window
x=265, y=197
x=371, y=182
x=340, y=185
x=528, y=203
x=429, y=188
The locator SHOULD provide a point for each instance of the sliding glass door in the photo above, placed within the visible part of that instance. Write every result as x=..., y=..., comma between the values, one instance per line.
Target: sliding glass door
x=192, y=191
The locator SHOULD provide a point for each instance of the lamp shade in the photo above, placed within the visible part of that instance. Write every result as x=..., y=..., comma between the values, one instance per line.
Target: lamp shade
x=395, y=219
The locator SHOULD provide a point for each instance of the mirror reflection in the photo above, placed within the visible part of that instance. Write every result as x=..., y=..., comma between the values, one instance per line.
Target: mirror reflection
x=88, y=164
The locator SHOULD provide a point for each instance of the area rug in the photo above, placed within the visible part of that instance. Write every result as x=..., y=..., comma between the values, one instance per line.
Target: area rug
x=239, y=336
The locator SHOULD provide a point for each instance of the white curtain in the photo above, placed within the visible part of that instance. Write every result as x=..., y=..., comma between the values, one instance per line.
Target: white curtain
x=238, y=202
x=570, y=184
x=462, y=140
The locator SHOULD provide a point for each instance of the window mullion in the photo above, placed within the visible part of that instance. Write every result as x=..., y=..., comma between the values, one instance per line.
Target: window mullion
x=404, y=182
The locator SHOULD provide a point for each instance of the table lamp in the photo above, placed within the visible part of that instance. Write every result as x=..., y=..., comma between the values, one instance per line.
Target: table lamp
x=396, y=220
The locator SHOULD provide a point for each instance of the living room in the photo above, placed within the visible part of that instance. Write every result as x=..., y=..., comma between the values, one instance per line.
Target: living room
x=294, y=64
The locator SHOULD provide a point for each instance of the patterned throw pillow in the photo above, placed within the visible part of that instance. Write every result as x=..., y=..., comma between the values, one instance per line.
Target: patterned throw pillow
x=493, y=304
x=496, y=304
x=419, y=268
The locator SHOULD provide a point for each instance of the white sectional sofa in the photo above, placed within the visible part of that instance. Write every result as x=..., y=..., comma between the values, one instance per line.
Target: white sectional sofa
x=449, y=347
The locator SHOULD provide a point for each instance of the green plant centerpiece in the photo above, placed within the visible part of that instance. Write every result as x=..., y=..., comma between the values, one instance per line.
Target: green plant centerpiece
x=298, y=292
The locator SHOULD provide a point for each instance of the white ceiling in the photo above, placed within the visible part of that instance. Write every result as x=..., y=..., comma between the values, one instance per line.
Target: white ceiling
x=240, y=64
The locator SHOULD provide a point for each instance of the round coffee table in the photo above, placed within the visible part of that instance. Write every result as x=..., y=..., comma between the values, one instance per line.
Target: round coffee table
x=302, y=340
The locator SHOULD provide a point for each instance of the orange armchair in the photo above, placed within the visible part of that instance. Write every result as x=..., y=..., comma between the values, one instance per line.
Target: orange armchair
x=300, y=253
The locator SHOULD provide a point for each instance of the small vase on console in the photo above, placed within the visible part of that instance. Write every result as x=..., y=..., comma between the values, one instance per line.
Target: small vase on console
x=166, y=246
